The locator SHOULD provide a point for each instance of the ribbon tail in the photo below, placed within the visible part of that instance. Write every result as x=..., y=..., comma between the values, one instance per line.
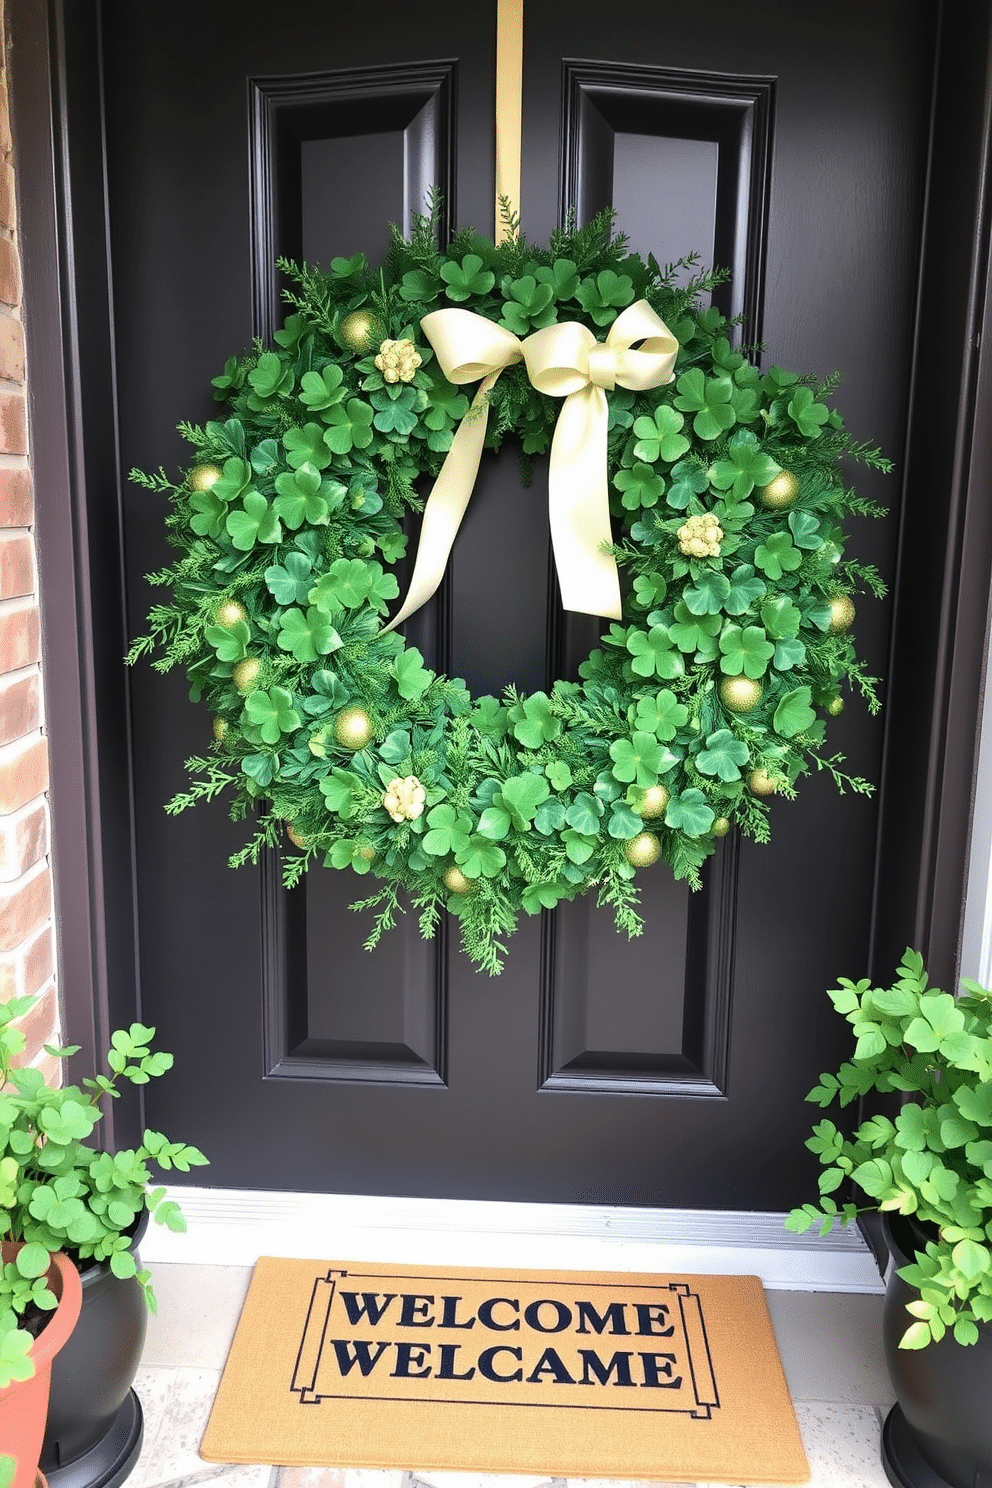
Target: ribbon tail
x=446, y=505
x=579, y=507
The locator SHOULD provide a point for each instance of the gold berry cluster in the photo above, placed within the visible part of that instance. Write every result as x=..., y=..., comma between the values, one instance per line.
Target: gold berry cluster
x=398, y=361
x=404, y=798
x=700, y=537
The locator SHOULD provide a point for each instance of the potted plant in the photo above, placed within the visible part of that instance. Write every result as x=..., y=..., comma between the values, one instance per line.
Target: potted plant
x=58, y=1192
x=928, y=1168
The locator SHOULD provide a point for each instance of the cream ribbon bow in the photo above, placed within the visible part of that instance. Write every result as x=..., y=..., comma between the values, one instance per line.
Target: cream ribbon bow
x=563, y=361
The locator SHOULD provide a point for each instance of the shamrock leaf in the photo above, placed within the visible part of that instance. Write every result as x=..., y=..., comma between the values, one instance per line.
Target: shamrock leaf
x=584, y=813
x=395, y=411
x=290, y=582
x=807, y=415
x=307, y=636
x=658, y=438
x=639, y=486
x=550, y=816
x=480, y=858
x=534, y=723
x=449, y=832
x=210, y=513
x=261, y=768
x=603, y=296
x=292, y=333
x=306, y=446
x=695, y=633
x=653, y=653
x=339, y=790
x=348, y=268
x=354, y=855
x=562, y=277
x=412, y=677
x=236, y=477
x=270, y=379
x=744, y=466
x=623, y=822
x=520, y=797
x=578, y=847
x=789, y=653
x=689, y=813
x=528, y=304
x=650, y=590
x=543, y=896
x=321, y=390
x=662, y=715
x=794, y=714
x=776, y=380
x=559, y=774
x=723, y=756
x=746, y=651
x=778, y=555
x=708, y=398
x=229, y=641
x=468, y=278
x=265, y=457
x=418, y=285
x=272, y=713
x=305, y=497
x=745, y=590
x=350, y=427
x=708, y=594
x=256, y=523
x=687, y=480
x=639, y=759
x=395, y=748
x=351, y=582
x=805, y=529
x=780, y=617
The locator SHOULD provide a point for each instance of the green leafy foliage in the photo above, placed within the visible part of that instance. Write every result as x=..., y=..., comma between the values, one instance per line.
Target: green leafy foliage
x=321, y=714
x=929, y=1161
x=60, y=1192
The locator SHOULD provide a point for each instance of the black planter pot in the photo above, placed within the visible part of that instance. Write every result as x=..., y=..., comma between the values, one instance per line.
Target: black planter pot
x=939, y=1435
x=95, y=1425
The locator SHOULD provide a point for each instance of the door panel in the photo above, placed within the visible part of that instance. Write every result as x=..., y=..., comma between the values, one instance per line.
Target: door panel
x=665, y=1070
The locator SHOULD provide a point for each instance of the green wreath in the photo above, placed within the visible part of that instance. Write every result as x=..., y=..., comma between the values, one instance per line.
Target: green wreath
x=702, y=701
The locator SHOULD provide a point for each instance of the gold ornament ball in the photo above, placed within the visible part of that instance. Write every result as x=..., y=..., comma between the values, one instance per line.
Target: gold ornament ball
x=643, y=850
x=360, y=331
x=367, y=852
x=760, y=783
x=456, y=882
x=835, y=707
x=230, y=613
x=202, y=477
x=653, y=802
x=841, y=613
x=220, y=729
x=246, y=672
x=740, y=694
x=295, y=837
x=780, y=492
x=353, y=728
x=720, y=827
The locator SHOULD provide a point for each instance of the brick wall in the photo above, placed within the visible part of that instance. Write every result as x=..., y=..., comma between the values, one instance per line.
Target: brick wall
x=27, y=952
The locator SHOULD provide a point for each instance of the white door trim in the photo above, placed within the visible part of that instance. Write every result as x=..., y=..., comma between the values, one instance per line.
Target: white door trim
x=236, y=1226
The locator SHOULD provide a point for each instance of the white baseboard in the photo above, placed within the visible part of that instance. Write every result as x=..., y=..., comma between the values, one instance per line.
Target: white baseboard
x=236, y=1226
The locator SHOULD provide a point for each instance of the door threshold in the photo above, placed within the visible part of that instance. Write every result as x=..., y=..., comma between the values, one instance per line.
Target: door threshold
x=235, y=1226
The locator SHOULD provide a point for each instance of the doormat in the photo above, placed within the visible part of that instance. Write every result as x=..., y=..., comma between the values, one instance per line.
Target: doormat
x=567, y=1374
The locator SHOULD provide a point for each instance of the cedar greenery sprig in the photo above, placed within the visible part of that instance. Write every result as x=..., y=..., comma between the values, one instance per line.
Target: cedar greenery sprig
x=283, y=579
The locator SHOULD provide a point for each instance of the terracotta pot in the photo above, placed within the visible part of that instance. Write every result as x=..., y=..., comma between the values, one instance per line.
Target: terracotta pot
x=940, y=1433
x=24, y=1404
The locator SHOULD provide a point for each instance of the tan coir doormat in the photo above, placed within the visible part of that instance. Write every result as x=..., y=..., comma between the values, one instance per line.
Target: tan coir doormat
x=339, y=1364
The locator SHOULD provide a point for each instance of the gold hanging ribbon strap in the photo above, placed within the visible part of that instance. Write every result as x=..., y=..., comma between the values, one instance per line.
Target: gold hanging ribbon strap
x=563, y=361
x=468, y=346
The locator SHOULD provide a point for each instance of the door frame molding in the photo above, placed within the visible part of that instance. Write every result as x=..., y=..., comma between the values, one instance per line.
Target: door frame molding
x=937, y=663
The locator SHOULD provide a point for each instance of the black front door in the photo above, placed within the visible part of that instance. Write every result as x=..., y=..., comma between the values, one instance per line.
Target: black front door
x=666, y=1070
